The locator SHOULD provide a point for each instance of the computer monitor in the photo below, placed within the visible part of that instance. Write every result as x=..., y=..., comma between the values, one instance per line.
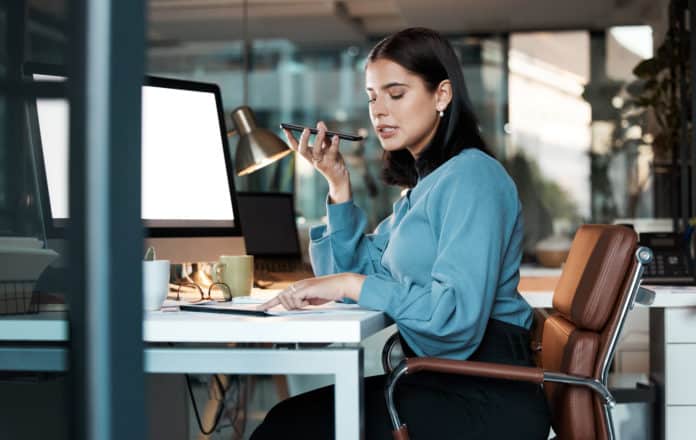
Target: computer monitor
x=47, y=120
x=189, y=204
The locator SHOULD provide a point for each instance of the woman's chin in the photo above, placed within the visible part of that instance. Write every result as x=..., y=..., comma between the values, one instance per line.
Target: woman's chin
x=391, y=145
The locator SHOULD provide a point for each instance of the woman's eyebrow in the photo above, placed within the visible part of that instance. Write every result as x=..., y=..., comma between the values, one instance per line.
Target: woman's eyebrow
x=387, y=86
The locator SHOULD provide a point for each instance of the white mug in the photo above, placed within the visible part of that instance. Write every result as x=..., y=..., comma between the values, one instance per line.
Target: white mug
x=155, y=283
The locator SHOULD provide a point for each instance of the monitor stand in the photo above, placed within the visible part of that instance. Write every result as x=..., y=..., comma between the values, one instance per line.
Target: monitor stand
x=195, y=249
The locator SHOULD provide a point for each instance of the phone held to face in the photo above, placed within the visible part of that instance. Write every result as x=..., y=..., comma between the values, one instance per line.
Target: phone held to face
x=329, y=134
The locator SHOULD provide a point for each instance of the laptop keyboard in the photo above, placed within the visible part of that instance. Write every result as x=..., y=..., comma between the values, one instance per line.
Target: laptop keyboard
x=280, y=266
x=280, y=273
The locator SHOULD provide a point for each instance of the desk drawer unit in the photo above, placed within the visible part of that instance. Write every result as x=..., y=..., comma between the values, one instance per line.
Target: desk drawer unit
x=672, y=360
x=680, y=422
x=680, y=383
x=680, y=325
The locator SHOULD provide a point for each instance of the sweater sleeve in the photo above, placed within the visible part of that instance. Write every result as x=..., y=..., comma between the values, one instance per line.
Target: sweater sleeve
x=343, y=246
x=448, y=316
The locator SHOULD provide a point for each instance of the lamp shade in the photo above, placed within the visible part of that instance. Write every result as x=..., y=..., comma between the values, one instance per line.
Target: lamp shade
x=257, y=147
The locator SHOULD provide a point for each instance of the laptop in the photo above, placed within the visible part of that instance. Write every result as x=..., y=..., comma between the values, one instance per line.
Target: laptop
x=270, y=233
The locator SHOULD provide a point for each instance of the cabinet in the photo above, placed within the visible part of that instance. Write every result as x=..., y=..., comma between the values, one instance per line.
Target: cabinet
x=672, y=361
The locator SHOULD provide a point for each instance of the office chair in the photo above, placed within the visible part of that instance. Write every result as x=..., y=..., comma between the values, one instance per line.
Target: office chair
x=599, y=284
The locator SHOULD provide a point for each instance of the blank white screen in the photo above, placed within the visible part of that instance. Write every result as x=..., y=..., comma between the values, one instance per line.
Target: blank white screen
x=53, y=128
x=183, y=166
x=184, y=175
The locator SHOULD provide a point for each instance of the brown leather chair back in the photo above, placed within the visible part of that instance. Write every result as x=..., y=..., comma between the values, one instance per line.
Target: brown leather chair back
x=594, y=282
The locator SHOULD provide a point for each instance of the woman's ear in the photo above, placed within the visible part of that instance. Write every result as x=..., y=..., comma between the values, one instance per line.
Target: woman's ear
x=443, y=95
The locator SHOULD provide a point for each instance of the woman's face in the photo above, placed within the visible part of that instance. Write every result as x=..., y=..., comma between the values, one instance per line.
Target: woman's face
x=404, y=113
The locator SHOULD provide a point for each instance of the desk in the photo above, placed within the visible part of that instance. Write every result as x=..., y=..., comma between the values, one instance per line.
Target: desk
x=672, y=353
x=37, y=343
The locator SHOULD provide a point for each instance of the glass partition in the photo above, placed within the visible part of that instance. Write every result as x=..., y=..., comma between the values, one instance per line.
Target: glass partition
x=70, y=345
x=25, y=256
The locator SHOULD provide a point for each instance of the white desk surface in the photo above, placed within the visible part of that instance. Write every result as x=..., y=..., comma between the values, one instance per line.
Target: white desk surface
x=343, y=327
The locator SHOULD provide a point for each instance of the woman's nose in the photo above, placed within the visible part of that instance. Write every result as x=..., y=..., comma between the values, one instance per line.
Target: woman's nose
x=378, y=107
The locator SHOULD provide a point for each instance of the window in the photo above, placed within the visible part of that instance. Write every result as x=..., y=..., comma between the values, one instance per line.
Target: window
x=576, y=148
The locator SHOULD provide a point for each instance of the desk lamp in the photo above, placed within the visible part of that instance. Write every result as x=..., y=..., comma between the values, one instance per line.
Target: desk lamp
x=257, y=147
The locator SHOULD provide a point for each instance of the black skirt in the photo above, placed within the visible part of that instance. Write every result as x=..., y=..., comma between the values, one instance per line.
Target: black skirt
x=433, y=405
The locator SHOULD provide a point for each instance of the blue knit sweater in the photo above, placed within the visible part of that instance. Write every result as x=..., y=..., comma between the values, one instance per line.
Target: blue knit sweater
x=444, y=262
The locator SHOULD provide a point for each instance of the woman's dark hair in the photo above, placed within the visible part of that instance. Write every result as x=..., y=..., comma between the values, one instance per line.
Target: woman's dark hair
x=425, y=53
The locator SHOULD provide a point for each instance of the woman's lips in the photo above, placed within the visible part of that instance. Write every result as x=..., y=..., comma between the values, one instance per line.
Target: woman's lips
x=386, y=132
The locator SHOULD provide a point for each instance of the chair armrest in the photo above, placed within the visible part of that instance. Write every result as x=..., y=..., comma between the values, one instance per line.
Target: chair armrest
x=480, y=369
x=389, y=346
x=502, y=371
x=645, y=296
x=468, y=368
x=473, y=368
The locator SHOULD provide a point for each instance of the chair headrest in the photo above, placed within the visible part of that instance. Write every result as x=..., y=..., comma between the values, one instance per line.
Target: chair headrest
x=597, y=264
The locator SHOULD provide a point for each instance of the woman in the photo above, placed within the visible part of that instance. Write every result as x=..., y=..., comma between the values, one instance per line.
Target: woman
x=444, y=265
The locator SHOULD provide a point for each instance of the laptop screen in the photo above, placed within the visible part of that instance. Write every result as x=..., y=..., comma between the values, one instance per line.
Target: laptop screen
x=268, y=224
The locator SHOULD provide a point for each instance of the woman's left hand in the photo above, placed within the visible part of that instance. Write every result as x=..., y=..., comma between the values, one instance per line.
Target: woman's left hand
x=316, y=291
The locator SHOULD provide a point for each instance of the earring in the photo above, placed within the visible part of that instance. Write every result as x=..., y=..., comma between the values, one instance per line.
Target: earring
x=442, y=113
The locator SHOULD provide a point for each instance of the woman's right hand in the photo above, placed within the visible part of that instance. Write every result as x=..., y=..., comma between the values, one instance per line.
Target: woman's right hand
x=325, y=157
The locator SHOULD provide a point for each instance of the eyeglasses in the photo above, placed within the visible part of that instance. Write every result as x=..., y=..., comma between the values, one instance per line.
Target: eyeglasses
x=219, y=292
x=191, y=281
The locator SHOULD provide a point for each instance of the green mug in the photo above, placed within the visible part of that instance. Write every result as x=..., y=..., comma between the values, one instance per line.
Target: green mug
x=237, y=272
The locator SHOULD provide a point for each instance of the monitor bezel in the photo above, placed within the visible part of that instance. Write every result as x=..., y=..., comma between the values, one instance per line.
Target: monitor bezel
x=55, y=228
x=234, y=231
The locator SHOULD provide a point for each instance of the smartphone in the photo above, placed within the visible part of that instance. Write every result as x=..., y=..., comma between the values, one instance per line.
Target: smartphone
x=329, y=134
